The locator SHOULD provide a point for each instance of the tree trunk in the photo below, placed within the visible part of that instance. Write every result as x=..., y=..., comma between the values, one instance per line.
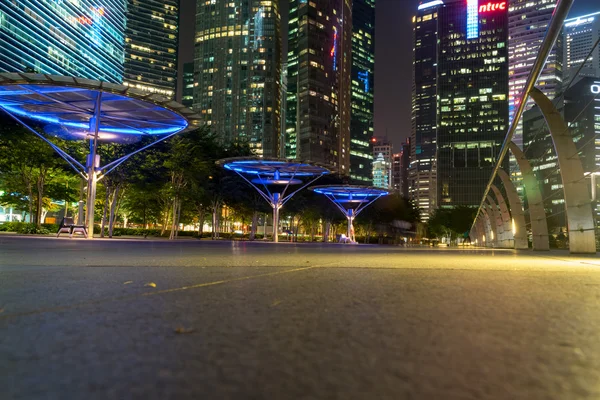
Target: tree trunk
x=215, y=220
x=326, y=231
x=40, y=201
x=30, y=192
x=200, y=223
x=113, y=206
x=297, y=228
x=104, y=211
x=174, y=222
x=254, y=225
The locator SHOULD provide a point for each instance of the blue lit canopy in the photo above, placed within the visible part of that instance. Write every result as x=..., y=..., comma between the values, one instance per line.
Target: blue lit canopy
x=350, y=193
x=271, y=177
x=273, y=168
x=64, y=107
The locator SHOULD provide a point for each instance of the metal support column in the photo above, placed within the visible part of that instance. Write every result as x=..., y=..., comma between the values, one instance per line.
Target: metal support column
x=578, y=204
x=537, y=214
x=519, y=228
x=276, y=203
x=92, y=178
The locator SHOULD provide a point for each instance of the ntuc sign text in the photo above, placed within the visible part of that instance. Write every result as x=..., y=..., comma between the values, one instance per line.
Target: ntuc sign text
x=491, y=6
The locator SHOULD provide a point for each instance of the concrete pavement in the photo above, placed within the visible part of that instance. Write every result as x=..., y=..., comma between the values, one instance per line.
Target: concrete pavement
x=240, y=320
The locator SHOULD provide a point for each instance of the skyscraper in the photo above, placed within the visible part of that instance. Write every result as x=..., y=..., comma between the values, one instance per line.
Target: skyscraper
x=580, y=35
x=187, y=89
x=318, y=97
x=400, y=166
x=422, y=169
x=238, y=71
x=151, y=41
x=472, y=90
x=527, y=24
x=382, y=163
x=363, y=68
x=79, y=38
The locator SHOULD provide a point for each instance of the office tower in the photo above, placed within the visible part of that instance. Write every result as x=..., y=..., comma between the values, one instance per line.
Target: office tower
x=472, y=90
x=580, y=36
x=382, y=163
x=581, y=111
x=187, y=90
x=78, y=38
x=401, y=163
x=363, y=68
x=422, y=169
x=527, y=24
x=237, y=67
x=318, y=97
x=283, y=110
x=151, y=41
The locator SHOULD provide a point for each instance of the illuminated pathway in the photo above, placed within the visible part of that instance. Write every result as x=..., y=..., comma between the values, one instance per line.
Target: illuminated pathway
x=262, y=321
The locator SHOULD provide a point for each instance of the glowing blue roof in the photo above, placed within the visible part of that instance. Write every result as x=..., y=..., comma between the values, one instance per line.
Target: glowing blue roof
x=272, y=167
x=349, y=191
x=64, y=107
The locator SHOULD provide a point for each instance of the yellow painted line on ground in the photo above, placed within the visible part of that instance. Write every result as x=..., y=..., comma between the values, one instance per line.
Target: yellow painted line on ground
x=156, y=292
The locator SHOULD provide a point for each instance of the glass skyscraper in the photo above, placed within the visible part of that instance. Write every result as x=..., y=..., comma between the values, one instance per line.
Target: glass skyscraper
x=363, y=68
x=83, y=38
x=151, y=40
x=527, y=24
x=237, y=68
x=472, y=91
x=319, y=84
x=580, y=35
x=422, y=169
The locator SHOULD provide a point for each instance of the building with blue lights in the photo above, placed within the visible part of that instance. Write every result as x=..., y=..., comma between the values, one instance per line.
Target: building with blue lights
x=83, y=38
x=421, y=171
x=472, y=92
x=151, y=41
x=237, y=71
x=363, y=68
x=319, y=84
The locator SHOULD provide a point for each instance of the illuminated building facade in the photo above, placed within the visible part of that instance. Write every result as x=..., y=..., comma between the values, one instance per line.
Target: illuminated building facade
x=422, y=171
x=400, y=164
x=318, y=95
x=83, y=38
x=580, y=35
x=151, y=40
x=472, y=91
x=363, y=79
x=382, y=163
x=527, y=24
x=187, y=90
x=237, y=68
x=581, y=112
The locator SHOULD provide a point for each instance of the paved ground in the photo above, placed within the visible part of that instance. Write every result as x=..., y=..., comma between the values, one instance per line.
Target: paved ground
x=242, y=320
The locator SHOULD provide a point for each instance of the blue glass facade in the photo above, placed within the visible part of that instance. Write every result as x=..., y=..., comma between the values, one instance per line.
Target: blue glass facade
x=83, y=38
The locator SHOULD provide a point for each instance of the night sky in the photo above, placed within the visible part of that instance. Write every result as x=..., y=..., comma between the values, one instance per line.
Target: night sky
x=393, y=59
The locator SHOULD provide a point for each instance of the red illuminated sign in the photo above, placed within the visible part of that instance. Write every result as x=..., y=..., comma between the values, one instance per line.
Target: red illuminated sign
x=492, y=7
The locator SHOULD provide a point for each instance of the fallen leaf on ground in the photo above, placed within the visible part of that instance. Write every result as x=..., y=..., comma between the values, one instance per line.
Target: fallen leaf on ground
x=150, y=284
x=127, y=283
x=1, y=310
x=276, y=303
x=184, y=330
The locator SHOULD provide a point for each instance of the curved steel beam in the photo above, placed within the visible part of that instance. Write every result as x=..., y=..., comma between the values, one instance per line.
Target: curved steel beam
x=509, y=240
x=537, y=214
x=490, y=223
x=516, y=209
x=578, y=204
x=497, y=221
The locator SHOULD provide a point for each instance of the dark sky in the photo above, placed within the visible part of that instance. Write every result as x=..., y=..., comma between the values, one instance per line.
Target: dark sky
x=393, y=59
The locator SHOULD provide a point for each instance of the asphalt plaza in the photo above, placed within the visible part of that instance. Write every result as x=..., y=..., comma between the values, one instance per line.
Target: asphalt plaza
x=193, y=319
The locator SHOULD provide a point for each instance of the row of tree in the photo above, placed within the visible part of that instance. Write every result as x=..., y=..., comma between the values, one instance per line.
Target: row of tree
x=177, y=182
